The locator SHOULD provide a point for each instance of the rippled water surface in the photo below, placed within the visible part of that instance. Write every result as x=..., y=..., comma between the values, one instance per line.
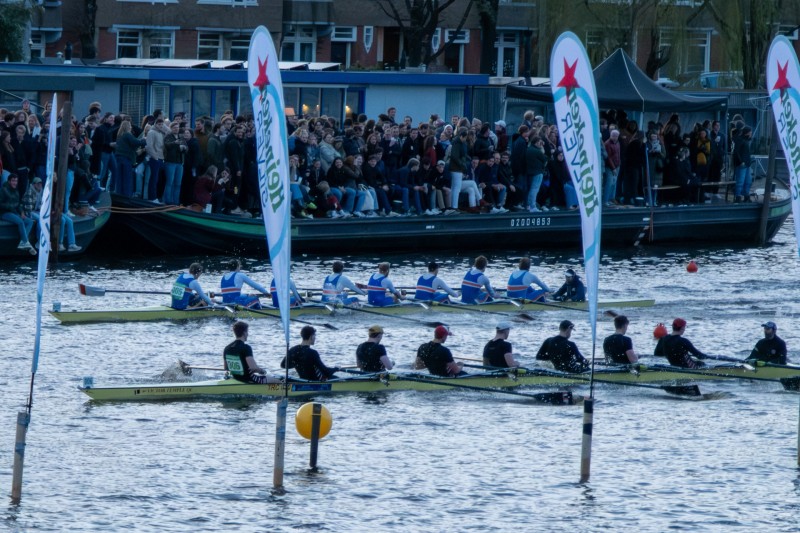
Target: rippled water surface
x=447, y=461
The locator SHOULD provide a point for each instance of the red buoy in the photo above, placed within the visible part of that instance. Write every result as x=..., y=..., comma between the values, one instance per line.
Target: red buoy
x=660, y=331
x=691, y=267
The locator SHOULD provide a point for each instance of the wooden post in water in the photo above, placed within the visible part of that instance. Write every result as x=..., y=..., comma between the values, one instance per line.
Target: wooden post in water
x=60, y=189
x=280, y=445
x=773, y=152
x=23, y=419
x=586, y=443
x=316, y=415
x=798, y=439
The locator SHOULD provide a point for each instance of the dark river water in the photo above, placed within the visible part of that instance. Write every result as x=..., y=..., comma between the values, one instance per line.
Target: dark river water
x=446, y=461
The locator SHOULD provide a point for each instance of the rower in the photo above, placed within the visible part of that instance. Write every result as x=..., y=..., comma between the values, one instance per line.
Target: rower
x=770, y=349
x=371, y=355
x=573, y=289
x=428, y=285
x=678, y=349
x=498, y=351
x=295, y=300
x=437, y=358
x=519, y=284
x=231, y=287
x=335, y=285
x=238, y=359
x=473, y=283
x=618, y=348
x=562, y=352
x=379, y=283
x=187, y=292
x=305, y=360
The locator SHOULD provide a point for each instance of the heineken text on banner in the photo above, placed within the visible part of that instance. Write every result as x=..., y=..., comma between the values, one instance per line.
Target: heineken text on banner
x=575, y=100
x=44, y=230
x=266, y=91
x=783, y=83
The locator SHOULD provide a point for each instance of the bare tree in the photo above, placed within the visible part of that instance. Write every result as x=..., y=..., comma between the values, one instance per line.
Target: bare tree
x=14, y=17
x=418, y=21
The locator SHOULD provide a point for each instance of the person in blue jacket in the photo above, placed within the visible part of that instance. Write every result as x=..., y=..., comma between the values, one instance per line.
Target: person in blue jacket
x=573, y=289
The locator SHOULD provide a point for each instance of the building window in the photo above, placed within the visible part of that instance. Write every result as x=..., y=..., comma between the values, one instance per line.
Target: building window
x=233, y=3
x=369, y=35
x=161, y=44
x=690, y=52
x=239, y=49
x=209, y=46
x=341, y=43
x=507, y=60
x=37, y=44
x=454, y=54
x=300, y=44
x=133, y=102
x=129, y=44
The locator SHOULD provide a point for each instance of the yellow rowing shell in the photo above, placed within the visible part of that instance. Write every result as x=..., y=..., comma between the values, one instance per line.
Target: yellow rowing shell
x=163, y=312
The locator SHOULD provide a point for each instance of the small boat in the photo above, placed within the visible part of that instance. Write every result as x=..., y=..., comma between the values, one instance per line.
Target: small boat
x=174, y=230
x=86, y=229
x=163, y=312
x=387, y=382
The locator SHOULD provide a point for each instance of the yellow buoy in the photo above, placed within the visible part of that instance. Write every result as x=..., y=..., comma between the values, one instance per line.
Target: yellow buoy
x=304, y=419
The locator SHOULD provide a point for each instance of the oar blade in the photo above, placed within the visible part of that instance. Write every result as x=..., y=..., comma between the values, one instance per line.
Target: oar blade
x=87, y=290
x=791, y=384
x=683, y=390
x=554, y=398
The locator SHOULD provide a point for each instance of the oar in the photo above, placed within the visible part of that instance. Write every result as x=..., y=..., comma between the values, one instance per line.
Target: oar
x=265, y=313
x=88, y=290
x=608, y=312
x=429, y=324
x=791, y=383
x=186, y=368
x=555, y=398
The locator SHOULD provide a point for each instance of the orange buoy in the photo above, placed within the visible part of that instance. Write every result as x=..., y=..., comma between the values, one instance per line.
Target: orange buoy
x=660, y=331
x=691, y=267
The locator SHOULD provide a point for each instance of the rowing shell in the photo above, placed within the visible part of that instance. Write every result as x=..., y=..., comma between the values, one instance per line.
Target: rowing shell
x=387, y=382
x=163, y=312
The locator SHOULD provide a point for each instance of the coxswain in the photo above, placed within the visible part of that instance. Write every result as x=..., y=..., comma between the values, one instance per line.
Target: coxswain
x=519, y=284
x=187, y=292
x=371, y=355
x=498, y=351
x=238, y=359
x=231, y=287
x=678, y=349
x=428, y=286
x=335, y=286
x=618, y=348
x=770, y=349
x=436, y=357
x=305, y=360
x=295, y=300
x=474, y=282
x=379, y=284
x=572, y=290
x=562, y=352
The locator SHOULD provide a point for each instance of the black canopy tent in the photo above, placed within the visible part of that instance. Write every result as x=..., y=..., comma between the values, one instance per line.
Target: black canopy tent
x=621, y=84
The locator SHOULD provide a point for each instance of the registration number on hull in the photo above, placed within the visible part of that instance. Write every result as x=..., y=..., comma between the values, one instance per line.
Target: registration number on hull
x=527, y=222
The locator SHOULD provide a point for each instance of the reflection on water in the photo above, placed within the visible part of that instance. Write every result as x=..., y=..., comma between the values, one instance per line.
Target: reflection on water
x=406, y=461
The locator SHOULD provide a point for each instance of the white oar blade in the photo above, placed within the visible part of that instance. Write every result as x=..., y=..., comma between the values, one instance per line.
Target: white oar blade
x=87, y=290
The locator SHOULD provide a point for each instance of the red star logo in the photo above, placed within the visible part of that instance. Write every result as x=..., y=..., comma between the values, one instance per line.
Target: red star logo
x=569, y=81
x=262, y=80
x=783, y=81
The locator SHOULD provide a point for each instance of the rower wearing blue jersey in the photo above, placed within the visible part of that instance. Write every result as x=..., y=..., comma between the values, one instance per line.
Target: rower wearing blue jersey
x=231, y=287
x=336, y=285
x=428, y=285
x=573, y=289
x=519, y=284
x=474, y=281
x=295, y=300
x=378, y=286
x=187, y=292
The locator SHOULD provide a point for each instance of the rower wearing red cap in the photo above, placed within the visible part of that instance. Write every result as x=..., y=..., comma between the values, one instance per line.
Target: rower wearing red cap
x=437, y=358
x=678, y=349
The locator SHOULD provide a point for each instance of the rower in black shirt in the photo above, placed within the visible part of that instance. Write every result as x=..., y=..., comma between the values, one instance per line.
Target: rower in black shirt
x=371, y=355
x=618, y=348
x=238, y=359
x=305, y=360
x=562, y=352
x=436, y=357
x=770, y=349
x=498, y=351
x=677, y=349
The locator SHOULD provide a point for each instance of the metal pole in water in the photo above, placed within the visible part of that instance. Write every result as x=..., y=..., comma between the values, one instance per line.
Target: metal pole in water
x=798, y=438
x=316, y=415
x=23, y=420
x=586, y=443
x=280, y=433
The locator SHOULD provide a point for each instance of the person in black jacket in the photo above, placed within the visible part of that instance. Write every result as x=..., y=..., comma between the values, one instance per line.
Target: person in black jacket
x=562, y=352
